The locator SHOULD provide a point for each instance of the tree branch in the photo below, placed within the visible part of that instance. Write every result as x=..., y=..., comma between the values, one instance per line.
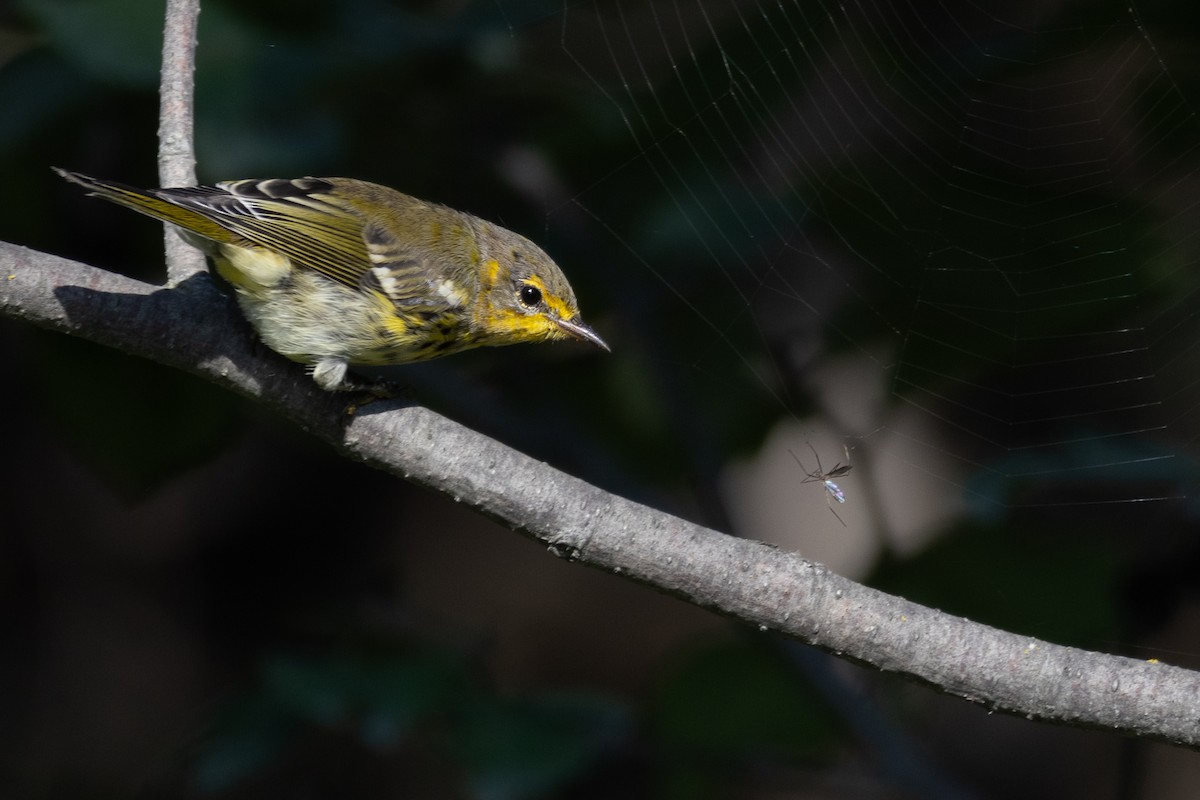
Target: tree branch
x=176, y=151
x=196, y=328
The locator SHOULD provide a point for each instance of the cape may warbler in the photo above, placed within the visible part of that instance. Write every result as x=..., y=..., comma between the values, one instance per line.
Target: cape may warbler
x=333, y=272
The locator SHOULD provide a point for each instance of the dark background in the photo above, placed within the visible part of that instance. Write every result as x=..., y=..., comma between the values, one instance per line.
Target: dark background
x=197, y=600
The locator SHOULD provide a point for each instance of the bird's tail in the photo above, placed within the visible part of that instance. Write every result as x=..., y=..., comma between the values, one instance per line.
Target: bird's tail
x=152, y=203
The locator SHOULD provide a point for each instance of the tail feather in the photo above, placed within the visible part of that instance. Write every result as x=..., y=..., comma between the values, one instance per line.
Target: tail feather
x=152, y=204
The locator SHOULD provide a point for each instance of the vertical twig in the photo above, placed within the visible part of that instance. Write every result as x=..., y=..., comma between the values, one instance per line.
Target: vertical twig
x=176, y=153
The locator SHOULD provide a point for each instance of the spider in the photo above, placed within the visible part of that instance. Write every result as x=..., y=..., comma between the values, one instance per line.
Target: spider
x=832, y=490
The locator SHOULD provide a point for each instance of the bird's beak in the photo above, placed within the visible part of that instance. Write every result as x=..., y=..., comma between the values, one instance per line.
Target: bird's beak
x=582, y=332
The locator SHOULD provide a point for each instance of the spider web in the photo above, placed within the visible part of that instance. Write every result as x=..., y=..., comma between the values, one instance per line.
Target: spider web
x=982, y=216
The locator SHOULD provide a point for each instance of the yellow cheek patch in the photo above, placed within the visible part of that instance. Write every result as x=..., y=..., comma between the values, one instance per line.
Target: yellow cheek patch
x=517, y=327
x=511, y=325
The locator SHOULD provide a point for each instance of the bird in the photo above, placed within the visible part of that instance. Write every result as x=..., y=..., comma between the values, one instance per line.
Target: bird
x=339, y=272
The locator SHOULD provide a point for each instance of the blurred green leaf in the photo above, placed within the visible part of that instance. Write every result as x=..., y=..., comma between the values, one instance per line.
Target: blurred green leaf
x=251, y=737
x=378, y=697
x=524, y=748
x=388, y=693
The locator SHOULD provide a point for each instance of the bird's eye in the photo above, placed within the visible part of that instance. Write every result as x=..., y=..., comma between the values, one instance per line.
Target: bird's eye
x=529, y=296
